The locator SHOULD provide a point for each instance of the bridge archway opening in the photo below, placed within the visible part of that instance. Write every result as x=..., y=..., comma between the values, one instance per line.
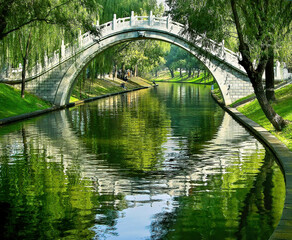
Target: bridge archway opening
x=213, y=65
x=56, y=79
x=192, y=66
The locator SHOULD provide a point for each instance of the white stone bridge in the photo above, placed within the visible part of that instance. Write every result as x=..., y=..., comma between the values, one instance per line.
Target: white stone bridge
x=55, y=81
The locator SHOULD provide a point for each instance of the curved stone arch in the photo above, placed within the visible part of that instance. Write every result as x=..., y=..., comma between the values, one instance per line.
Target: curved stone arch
x=221, y=71
x=55, y=80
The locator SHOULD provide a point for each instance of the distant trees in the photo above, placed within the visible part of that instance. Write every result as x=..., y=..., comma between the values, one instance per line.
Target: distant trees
x=180, y=59
x=141, y=57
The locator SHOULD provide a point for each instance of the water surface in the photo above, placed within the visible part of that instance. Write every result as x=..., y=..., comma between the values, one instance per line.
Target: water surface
x=164, y=163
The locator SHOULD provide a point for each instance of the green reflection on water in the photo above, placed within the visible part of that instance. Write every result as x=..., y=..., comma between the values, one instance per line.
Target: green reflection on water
x=72, y=174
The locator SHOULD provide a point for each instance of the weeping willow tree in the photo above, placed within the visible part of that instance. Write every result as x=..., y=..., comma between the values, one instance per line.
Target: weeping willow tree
x=260, y=26
x=31, y=29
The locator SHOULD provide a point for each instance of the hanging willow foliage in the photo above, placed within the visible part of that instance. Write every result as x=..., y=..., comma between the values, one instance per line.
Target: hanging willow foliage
x=49, y=21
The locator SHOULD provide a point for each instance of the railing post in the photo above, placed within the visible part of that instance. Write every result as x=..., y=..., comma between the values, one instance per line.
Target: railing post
x=45, y=61
x=150, y=18
x=80, y=39
x=222, y=43
x=239, y=57
x=63, y=50
x=114, y=22
x=222, y=48
x=168, y=21
x=132, y=19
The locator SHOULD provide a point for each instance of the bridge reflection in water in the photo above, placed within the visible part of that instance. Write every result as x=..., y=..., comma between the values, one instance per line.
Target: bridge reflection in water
x=160, y=163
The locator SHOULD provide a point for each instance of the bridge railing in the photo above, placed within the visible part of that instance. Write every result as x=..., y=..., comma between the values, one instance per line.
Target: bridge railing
x=84, y=40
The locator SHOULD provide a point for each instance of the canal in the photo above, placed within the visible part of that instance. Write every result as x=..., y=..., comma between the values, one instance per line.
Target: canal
x=160, y=163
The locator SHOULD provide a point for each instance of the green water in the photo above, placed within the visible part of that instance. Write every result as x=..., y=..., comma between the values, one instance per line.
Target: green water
x=161, y=163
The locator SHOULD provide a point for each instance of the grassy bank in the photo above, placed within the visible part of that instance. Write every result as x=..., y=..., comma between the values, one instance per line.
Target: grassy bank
x=165, y=77
x=97, y=87
x=283, y=106
x=11, y=103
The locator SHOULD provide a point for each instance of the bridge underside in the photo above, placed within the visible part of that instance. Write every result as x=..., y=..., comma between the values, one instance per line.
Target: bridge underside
x=56, y=85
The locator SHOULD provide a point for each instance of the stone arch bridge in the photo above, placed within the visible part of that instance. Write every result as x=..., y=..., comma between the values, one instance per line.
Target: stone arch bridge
x=55, y=81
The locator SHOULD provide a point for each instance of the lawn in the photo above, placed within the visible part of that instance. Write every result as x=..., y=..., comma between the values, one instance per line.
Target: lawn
x=165, y=77
x=283, y=106
x=11, y=103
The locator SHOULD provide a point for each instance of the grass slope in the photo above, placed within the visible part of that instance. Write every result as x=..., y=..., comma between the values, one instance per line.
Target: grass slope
x=11, y=103
x=165, y=77
x=100, y=87
x=283, y=106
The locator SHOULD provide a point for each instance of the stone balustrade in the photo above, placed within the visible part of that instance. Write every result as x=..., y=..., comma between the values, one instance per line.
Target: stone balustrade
x=119, y=24
x=54, y=79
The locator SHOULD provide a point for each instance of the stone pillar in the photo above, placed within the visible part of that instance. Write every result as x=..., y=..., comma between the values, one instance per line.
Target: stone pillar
x=168, y=20
x=63, y=50
x=132, y=19
x=46, y=61
x=254, y=63
x=80, y=39
x=239, y=56
x=286, y=74
x=39, y=67
x=114, y=22
x=222, y=48
x=150, y=19
x=278, y=70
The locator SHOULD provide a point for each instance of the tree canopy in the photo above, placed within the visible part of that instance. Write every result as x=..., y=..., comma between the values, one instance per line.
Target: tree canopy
x=258, y=25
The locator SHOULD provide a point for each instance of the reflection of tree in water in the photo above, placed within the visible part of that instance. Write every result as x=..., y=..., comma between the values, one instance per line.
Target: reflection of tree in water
x=45, y=195
x=260, y=199
x=38, y=200
x=140, y=127
x=193, y=114
x=253, y=210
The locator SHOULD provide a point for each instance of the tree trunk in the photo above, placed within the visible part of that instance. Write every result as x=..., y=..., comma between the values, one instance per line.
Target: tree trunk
x=23, y=77
x=171, y=72
x=270, y=78
x=190, y=72
x=278, y=122
x=198, y=73
x=255, y=75
x=25, y=57
x=180, y=73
